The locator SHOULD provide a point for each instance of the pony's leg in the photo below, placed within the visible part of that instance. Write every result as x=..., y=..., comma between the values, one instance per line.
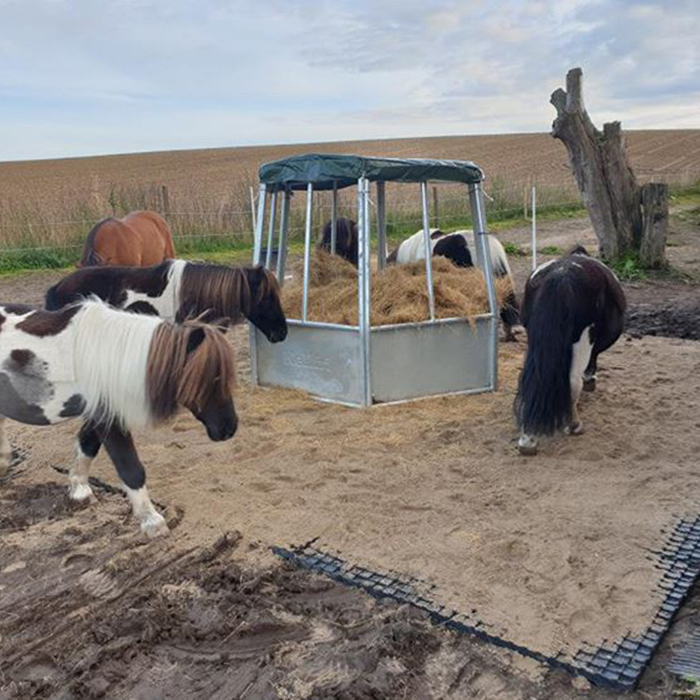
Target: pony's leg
x=576, y=427
x=120, y=447
x=5, y=448
x=581, y=357
x=589, y=375
x=86, y=450
x=527, y=445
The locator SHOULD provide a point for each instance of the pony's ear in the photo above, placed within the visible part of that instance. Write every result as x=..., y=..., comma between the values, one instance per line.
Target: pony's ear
x=195, y=339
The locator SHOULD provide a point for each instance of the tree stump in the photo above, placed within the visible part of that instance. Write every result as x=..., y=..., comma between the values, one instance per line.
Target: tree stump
x=652, y=248
x=605, y=179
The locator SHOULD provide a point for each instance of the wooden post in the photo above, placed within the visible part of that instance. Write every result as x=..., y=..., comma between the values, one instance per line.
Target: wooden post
x=436, y=217
x=652, y=250
x=165, y=198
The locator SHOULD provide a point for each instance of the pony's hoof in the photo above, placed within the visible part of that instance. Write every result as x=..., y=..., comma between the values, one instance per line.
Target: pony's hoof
x=575, y=428
x=80, y=492
x=155, y=526
x=527, y=445
x=589, y=383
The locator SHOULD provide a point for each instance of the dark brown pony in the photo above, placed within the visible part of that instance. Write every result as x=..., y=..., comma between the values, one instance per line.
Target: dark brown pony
x=346, y=241
x=140, y=239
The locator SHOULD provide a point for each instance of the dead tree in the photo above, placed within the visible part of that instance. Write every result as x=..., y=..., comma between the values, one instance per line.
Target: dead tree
x=628, y=219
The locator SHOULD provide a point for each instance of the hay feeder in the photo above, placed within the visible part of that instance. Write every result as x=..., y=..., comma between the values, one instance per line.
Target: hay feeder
x=364, y=365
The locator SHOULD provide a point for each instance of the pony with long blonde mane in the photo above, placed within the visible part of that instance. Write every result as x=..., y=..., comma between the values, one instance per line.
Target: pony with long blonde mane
x=119, y=372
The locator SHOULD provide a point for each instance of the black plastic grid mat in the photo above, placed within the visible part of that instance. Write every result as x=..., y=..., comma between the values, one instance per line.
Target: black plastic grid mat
x=618, y=665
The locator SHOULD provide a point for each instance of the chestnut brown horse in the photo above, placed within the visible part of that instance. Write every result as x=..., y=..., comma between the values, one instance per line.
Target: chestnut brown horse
x=140, y=239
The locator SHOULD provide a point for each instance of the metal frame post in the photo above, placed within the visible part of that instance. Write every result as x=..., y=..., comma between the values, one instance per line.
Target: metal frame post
x=382, y=251
x=428, y=249
x=285, y=208
x=259, y=223
x=364, y=295
x=257, y=252
x=307, y=250
x=476, y=201
x=334, y=217
x=271, y=232
x=534, y=227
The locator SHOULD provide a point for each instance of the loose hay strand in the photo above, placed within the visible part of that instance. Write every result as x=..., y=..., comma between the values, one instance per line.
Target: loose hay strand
x=399, y=292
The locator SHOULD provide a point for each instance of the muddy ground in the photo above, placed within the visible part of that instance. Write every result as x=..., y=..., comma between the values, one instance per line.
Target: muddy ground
x=89, y=609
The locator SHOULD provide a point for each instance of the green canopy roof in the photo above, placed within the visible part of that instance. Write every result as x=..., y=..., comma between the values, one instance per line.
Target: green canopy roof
x=322, y=170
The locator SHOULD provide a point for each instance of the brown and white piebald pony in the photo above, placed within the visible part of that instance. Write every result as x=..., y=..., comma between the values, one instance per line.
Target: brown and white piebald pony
x=457, y=247
x=177, y=290
x=140, y=239
x=118, y=371
x=573, y=310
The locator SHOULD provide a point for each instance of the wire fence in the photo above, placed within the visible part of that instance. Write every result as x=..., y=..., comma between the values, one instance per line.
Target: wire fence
x=30, y=235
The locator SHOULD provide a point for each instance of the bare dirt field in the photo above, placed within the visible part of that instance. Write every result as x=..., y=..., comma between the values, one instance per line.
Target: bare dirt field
x=548, y=552
x=512, y=157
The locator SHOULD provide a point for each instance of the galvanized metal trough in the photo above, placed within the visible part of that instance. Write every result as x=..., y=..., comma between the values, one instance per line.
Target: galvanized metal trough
x=364, y=365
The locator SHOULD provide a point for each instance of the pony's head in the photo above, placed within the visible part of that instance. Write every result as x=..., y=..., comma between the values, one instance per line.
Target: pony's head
x=192, y=365
x=346, y=241
x=265, y=305
x=455, y=249
x=578, y=249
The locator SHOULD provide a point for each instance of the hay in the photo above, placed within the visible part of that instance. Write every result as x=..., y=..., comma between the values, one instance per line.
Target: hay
x=399, y=293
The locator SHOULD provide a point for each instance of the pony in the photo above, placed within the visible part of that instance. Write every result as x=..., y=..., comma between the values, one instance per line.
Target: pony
x=119, y=372
x=346, y=242
x=456, y=247
x=140, y=239
x=573, y=309
x=178, y=289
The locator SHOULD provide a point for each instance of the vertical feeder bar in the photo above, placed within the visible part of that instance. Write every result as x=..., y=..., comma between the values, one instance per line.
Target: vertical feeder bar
x=334, y=217
x=307, y=250
x=482, y=246
x=428, y=250
x=259, y=225
x=284, y=228
x=271, y=232
x=364, y=285
x=257, y=252
x=381, y=225
x=534, y=227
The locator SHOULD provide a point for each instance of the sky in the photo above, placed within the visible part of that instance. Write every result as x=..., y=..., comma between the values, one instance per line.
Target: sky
x=87, y=77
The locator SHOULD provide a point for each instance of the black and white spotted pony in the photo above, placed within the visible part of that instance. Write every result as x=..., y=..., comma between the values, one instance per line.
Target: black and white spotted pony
x=118, y=371
x=457, y=247
x=573, y=310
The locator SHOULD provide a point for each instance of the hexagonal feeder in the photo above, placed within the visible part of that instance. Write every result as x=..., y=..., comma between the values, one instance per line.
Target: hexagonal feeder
x=364, y=364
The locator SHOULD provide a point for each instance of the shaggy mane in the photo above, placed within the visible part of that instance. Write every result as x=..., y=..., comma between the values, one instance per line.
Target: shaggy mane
x=224, y=292
x=174, y=377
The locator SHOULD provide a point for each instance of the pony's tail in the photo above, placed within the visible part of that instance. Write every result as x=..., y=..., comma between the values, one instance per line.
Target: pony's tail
x=543, y=403
x=90, y=256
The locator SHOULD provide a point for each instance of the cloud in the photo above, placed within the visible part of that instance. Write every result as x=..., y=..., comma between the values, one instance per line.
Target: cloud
x=78, y=76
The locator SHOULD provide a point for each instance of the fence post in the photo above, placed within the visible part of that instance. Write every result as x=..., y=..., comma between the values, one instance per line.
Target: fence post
x=436, y=217
x=252, y=207
x=165, y=197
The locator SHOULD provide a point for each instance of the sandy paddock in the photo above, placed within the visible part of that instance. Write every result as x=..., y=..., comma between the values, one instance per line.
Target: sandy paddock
x=548, y=551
